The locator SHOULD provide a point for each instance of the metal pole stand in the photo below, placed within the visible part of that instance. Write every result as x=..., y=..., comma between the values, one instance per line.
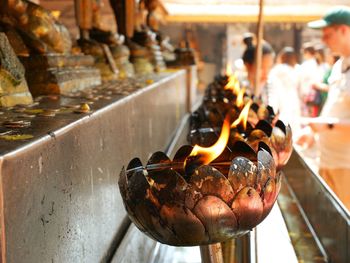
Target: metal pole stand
x=211, y=253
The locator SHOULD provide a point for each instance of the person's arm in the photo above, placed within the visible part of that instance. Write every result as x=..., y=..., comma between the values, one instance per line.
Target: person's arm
x=321, y=124
x=304, y=137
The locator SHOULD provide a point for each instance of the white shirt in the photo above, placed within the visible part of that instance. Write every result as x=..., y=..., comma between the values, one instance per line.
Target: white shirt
x=309, y=74
x=334, y=145
x=283, y=94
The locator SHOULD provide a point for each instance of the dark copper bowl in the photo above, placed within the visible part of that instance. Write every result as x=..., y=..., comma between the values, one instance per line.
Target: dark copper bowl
x=277, y=136
x=204, y=208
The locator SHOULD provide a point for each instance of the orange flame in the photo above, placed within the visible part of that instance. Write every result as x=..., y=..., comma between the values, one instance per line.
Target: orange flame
x=240, y=96
x=229, y=70
x=243, y=116
x=233, y=84
x=208, y=154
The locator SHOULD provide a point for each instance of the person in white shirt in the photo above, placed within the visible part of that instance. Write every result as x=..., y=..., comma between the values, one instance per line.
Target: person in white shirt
x=333, y=125
x=308, y=75
x=283, y=85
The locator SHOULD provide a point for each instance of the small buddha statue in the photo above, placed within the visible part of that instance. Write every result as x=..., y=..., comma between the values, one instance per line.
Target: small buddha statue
x=39, y=29
x=13, y=85
x=100, y=51
x=167, y=49
x=115, y=41
x=146, y=38
x=44, y=46
x=185, y=55
x=151, y=18
x=127, y=14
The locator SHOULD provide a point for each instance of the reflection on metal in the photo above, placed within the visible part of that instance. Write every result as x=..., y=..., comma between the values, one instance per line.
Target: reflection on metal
x=327, y=217
x=305, y=245
x=59, y=196
x=191, y=84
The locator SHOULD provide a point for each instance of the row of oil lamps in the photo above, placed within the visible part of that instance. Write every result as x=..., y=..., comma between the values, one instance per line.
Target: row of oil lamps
x=211, y=194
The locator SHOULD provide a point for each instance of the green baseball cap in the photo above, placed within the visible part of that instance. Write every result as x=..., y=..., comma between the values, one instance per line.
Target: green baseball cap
x=339, y=15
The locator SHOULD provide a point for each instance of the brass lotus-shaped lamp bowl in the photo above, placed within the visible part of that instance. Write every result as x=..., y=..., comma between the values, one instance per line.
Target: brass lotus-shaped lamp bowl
x=278, y=137
x=209, y=205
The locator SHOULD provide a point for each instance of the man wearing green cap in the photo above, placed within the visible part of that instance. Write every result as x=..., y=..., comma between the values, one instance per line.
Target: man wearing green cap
x=333, y=125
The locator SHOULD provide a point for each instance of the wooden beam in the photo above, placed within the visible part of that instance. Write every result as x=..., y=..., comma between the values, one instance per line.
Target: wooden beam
x=240, y=19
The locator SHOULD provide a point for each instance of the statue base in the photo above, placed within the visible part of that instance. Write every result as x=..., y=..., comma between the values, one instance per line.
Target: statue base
x=140, y=58
x=121, y=55
x=11, y=95
x=146, y=39
x=60, y=74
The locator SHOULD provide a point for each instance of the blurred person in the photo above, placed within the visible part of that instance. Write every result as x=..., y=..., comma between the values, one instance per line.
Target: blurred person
x=283, y=84
x=333, y=125
x=249, y=60
x=323, y=87
x=320, y=56
x=308, y=73
x=317, y=96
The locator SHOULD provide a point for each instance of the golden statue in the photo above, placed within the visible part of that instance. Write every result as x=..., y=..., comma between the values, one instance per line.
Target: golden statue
x=13, y=86
x=44, y=47
x=124, y=13
x=40, y=30
x=151, y=19
x=145, y=45
x=115, y=41
x=112, y=57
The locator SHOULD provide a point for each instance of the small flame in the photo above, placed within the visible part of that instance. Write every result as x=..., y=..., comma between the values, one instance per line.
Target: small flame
x=208, y=154
x=240, y=97
x=243, y=116
x=233, y=84
x=56, y=14
x=229, y=70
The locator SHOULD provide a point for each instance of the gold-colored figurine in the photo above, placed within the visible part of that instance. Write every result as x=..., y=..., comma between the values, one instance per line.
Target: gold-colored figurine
x=145, y=46
x=44, y=47
x=39, y=28
x=13, y=86
x=126, y=13
x=112, y=57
